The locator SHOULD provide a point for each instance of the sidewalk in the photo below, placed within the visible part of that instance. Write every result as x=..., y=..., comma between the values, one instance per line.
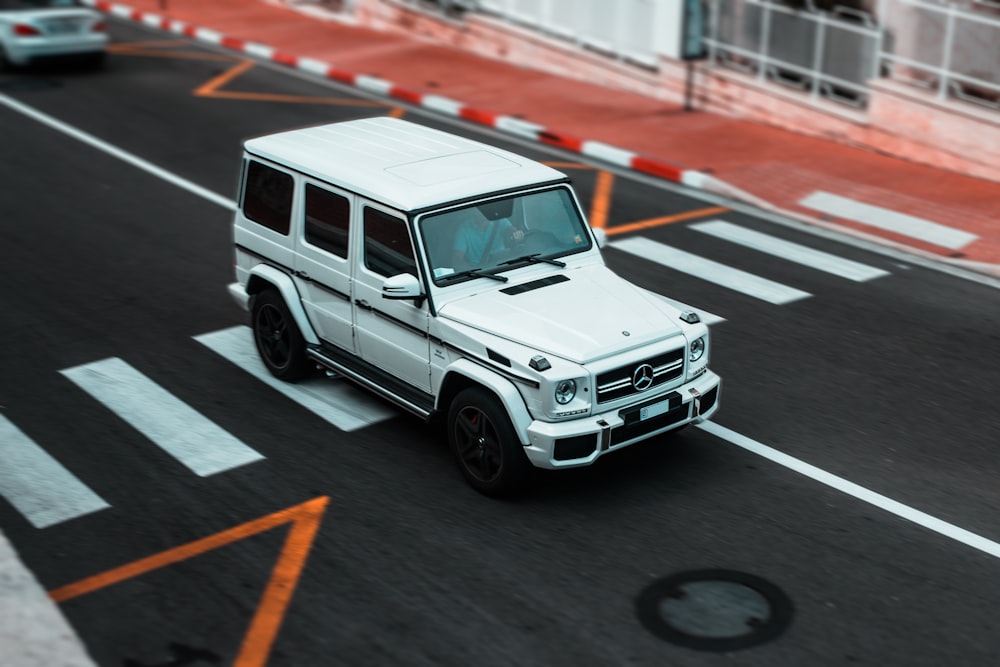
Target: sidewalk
x=766, y=166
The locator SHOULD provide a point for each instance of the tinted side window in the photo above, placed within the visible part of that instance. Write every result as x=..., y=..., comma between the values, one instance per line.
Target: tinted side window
x=388, y=251
x=268, y=198
x=327, y=220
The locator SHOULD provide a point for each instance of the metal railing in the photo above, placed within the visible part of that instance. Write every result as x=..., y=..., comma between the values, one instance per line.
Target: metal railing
x=950, y=47
x=830, y=55
x=946, y=48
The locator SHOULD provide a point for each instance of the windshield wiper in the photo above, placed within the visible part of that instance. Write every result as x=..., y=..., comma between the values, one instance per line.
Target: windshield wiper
x=534, y=258
x=473, y=273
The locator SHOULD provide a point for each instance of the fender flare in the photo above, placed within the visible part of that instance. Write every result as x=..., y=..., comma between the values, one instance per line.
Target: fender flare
x=504, y=389
x=289, y=293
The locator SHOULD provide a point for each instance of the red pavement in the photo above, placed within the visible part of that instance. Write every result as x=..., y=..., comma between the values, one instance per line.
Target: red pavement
x=770, y=165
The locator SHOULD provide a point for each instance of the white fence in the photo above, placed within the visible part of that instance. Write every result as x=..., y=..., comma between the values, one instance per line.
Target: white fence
x=952, y=48
x=947, y=47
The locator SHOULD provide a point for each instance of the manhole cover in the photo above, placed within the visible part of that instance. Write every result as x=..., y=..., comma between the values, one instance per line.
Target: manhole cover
x=714, y=610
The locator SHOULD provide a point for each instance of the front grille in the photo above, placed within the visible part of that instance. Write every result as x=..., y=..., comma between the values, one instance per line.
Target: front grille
x=617, y=383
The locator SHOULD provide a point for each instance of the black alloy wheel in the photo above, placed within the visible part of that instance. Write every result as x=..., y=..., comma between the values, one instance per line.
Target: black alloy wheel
x=485, y=445
x=279, y=341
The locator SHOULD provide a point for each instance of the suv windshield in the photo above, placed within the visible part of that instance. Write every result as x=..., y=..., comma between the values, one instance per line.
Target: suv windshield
x=501, y=234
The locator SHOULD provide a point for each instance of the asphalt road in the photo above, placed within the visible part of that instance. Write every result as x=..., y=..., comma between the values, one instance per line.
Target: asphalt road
x=364, y=546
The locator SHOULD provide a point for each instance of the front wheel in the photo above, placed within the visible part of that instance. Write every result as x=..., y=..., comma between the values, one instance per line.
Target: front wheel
x=279, y=341
x=484, y=443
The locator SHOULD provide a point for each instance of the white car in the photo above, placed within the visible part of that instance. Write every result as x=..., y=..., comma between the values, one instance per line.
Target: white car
x=36, y=30
x=459, y=281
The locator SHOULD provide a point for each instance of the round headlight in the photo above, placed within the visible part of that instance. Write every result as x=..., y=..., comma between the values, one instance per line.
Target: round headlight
x=565, y=391
x=697, y=349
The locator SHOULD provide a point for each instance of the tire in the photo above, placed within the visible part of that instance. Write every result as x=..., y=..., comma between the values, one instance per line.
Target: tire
x=484, y=443
x=279, y=341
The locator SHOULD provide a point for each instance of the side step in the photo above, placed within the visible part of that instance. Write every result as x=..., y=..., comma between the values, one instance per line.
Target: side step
x=374, y=379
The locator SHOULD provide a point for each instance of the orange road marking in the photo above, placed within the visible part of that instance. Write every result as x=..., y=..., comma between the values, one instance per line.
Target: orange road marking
x=665, y=220
x=291, y=99
x=601, y=203
x=263, y=630
x=568, y=165
x=210, y=87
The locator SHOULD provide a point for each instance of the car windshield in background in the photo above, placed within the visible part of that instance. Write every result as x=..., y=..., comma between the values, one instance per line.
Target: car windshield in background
x=37, y=4
x=502, y=234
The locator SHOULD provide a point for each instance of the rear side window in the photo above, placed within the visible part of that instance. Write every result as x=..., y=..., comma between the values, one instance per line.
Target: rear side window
x=268, y=197
x=388, y=251
x=327, y=220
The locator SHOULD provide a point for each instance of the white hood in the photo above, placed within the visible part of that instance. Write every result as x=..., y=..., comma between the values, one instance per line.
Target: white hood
x=591, y=315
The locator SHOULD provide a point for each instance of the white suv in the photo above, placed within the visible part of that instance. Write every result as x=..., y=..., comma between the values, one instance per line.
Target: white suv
x=459, y=280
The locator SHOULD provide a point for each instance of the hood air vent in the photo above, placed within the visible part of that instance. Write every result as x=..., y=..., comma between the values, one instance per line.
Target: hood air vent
x=535, y=284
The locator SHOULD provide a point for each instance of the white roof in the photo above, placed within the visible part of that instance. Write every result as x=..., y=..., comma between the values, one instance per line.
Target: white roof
x=402, y=164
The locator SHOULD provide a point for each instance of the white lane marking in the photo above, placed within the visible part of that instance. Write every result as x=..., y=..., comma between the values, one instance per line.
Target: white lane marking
x=850, y=488
x=174, y=426
x=114, y=151
x=706, y=269
x=889, y=220
x=37, y=485
x=341, y=404
x=793, y=252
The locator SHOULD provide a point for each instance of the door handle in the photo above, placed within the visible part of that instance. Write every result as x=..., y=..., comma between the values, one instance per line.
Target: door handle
x=302, y=274
x=363, y=304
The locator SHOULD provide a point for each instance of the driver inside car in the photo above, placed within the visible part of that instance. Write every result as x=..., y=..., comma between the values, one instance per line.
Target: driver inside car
x=487, y=232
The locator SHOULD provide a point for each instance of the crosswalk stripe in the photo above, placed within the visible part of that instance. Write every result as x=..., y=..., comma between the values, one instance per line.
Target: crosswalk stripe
x=711, y=271
x=889, y=220
x=793, y=252
x=37, y=485
x=340, y=404
x=171, y=424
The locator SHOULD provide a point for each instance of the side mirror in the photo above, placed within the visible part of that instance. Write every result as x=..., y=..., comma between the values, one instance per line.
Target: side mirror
x=601, y=236
x=402, y=286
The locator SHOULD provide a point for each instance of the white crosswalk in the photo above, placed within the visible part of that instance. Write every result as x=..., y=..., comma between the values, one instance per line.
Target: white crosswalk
x=46, y=493
x=889, y=220
x=340, y=404
x=710, y=270
x=792, y=252
x=198, y=443
x=37, y=485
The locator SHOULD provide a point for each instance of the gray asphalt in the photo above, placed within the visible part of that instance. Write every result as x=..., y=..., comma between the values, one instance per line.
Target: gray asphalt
x=887, y=383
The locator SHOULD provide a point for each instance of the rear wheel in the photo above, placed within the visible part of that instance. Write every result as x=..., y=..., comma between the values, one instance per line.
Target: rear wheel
x=485, y=445
x=279, y=341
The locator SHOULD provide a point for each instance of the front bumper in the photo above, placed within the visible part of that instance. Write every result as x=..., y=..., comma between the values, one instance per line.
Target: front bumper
x=581, y=441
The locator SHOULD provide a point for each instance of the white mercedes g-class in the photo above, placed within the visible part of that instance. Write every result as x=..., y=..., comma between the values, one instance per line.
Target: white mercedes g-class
x=459, y=280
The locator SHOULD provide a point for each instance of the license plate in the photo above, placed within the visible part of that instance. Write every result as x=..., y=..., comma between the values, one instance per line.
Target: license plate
x=654, y=410
x=63, y=27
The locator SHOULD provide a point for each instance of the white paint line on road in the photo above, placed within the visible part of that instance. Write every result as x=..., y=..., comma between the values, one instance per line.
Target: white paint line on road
x=714, y=272
x=889, y=220
x=923, y=519
x=175, y=427
x=793, y=252
x=37, y=485
x=114, y=151
x=341, y=404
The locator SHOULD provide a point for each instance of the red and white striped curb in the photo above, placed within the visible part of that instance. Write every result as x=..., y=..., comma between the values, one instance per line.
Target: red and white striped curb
x=437, y=103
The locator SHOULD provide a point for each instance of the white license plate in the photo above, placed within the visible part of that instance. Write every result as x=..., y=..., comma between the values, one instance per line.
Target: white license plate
x=654, y=410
